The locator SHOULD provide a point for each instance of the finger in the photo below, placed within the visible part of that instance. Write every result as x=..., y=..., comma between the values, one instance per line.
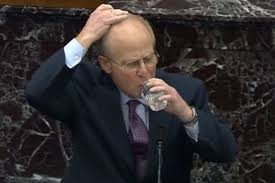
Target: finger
x=154, y=82
x=104, y=7
x=157, y=89
x=149, y=80
x=118, y=12
x=116, y=19
x=165, y=97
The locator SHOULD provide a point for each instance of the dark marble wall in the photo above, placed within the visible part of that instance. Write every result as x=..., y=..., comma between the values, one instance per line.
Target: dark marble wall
x=234, y=55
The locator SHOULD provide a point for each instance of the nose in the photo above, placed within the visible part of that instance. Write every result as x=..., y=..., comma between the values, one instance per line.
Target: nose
x=142, y=70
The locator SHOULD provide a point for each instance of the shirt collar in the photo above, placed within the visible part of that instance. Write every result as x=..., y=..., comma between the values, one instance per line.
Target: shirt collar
x=125, y=98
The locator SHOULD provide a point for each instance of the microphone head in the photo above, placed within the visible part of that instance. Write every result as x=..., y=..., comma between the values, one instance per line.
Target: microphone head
x=161, y=135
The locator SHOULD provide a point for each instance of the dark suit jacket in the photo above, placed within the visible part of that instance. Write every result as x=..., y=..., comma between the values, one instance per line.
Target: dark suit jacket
x=89, y=103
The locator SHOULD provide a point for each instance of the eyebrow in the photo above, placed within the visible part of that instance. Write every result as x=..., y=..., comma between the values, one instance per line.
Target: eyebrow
x=129, y=60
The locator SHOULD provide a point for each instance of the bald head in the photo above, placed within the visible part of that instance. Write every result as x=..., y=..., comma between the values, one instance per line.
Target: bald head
x=125, y=35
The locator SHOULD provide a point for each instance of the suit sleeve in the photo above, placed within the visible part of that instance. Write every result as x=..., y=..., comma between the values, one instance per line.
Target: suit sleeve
x=50, y=89
x=216, y=142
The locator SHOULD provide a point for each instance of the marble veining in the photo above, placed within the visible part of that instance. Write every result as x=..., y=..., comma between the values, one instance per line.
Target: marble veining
x=227, y=44
x=206, y=10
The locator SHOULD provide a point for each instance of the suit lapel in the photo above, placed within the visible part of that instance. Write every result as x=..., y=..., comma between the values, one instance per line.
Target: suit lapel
x=117, y=137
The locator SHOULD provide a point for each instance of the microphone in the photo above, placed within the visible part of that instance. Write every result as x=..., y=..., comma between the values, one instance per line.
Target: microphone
x=160, y=141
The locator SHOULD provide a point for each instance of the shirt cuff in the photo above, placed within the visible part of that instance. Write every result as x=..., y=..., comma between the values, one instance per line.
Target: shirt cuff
x=193, y=132
x=74, y=53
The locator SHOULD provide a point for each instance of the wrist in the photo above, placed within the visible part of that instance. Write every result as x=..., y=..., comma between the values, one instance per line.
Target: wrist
x=184, y=113
x=189, y=117
x=194, y=118
x=85, y=40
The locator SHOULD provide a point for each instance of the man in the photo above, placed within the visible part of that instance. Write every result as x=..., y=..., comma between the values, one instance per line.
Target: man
x=112, y=140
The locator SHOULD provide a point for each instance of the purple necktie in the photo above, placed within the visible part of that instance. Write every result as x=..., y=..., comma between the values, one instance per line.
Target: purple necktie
x=138, y=137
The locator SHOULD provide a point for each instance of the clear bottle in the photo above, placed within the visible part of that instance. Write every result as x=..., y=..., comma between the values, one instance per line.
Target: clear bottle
x=152, y=98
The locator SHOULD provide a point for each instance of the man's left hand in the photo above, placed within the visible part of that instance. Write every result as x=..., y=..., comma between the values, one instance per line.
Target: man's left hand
x=176, y=104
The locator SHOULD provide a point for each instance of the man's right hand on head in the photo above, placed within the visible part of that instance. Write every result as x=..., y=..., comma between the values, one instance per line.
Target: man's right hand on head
x=98, y=23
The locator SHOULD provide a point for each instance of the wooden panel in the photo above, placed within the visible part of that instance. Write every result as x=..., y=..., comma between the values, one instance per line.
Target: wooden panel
x=55, y=3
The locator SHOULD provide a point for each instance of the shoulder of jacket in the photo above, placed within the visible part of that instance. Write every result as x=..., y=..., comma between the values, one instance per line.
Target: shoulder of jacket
x=179, y=78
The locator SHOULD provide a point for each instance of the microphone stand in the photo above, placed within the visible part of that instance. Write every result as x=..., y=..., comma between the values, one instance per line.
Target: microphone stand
x=159, y=148
x=160, y=140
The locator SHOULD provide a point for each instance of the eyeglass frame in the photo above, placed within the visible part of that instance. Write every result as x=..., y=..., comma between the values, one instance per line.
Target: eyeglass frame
x=155, y=53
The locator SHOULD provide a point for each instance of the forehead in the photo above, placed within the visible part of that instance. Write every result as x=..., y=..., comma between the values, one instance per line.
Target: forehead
x=129, y=41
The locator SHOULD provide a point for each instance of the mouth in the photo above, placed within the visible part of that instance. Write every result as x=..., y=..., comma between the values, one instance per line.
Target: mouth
x=141, y=83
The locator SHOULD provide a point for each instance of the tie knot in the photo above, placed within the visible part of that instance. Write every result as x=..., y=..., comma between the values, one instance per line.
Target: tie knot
x=132, y=105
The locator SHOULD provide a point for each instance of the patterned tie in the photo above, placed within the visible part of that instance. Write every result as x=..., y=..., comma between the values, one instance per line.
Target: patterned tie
x=138, y=137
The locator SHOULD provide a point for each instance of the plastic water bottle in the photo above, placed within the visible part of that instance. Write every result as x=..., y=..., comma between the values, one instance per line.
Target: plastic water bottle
x=152, y=98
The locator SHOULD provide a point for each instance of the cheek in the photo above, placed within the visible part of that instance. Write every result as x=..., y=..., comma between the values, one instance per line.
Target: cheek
x=126, y=81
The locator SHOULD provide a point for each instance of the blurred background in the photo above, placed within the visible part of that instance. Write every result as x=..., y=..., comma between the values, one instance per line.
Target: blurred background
x=229, y=44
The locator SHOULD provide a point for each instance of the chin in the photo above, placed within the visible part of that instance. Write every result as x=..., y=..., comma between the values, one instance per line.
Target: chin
x=136, y=95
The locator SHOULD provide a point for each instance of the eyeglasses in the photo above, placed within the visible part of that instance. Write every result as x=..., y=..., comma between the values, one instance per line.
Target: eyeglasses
x=149, y=61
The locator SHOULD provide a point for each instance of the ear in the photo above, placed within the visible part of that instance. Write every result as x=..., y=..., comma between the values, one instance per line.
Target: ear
x=105, y=64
